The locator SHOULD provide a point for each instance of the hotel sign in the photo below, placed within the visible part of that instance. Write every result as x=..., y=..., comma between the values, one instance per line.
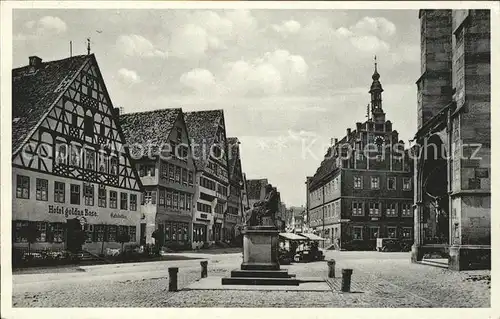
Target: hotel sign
x=71, y=211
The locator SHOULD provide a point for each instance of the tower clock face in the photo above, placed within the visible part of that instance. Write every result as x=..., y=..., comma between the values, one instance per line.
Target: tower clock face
x=379, y=140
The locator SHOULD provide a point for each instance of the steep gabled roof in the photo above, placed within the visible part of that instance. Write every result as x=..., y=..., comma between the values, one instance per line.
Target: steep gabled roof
x=34, y=92
x=202, y=128
x=149, y=130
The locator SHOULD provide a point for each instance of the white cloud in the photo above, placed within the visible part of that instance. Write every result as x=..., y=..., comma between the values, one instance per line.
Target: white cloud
x=369, y=43
x=377, y=25
x=275, y=72
x=52, y=23
x=287, y=27
x=129, y=76
x=137, y=45
x=44, y=27
x=201, y=31
x=200, y=80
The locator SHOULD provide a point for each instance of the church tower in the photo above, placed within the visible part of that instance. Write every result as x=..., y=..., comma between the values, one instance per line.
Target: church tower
x=376, y=90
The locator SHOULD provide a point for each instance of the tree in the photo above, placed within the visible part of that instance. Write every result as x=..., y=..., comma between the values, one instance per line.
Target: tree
x=123, y=238
x=31, y=233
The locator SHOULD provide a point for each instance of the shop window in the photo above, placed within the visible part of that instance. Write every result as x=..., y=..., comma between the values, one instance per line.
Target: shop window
x=133, y=202
x=406, y=232
x=42, y=186
x=375, y=183
x=74, y=194
x=89, y=232
x=357, y=233
x=59, y=192
x=132, y=233
x=113, y=199
x=88, y=195
x=42, y=227
x=23, y=187
x=168, y=231
x=112, y=232
x=57, y=232
x=373, y=232
x=358, y=182
x=99, y=233
x=392, y=232
x=101, y=197
x=391, y=183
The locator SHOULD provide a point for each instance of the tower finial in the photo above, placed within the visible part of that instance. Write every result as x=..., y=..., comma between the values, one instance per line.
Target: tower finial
x=375, y=75
x=88, y=46
x=375, y=58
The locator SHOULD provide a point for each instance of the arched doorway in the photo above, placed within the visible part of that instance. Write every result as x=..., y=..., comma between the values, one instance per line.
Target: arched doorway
x=434, y=192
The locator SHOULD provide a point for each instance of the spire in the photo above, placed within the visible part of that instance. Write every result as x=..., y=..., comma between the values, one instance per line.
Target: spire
x=375, y=75
x=376, y=91
x=88, y=46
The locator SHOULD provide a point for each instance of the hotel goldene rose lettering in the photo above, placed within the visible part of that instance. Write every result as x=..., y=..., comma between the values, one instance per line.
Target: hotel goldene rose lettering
x=71, y=211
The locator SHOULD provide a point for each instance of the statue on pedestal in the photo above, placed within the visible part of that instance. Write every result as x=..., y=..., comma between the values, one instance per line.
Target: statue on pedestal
x=265, y=208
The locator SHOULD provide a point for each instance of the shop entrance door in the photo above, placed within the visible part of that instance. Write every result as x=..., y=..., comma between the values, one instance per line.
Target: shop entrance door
x=143, y=234
x=74, y=235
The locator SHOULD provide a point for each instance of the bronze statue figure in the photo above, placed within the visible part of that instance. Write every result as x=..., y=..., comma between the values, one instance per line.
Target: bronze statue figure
x=265, y=208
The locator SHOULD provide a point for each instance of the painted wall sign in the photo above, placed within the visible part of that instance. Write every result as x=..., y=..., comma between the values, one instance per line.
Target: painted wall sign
x=115, y=215
x=71, y=211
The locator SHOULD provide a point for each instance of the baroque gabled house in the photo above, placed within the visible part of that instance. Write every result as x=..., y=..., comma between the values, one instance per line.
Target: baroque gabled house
x=363, y=187
x=159, y=142
x=68, y=159
x=207, y=133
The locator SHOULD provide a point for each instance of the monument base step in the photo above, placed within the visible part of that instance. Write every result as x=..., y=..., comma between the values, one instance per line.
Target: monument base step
x=282, y=273
x=260, y=266
x=260, y=281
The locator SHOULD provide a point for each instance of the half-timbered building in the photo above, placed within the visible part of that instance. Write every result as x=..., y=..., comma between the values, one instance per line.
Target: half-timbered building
x=68, y=160
x=158, y=141
x=207, y=133
x=236, y=188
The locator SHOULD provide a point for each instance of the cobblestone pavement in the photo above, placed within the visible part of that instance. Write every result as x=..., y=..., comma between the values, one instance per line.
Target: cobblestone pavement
x=379, y=280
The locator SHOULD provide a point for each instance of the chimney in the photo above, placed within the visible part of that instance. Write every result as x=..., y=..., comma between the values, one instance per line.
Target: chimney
x=348, y=132
x=35, y=61
x=336, y=141
x=117, y=111
x=331, y=141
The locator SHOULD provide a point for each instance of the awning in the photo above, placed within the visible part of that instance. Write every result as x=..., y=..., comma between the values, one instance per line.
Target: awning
x=291, y=236
x=312, y=236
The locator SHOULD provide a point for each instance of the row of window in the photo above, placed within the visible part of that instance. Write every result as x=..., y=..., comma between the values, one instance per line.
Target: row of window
x=55, y=232
x=375, y=183
x=170, y=172
x=217, y=169
x=75, y=195
x=103, y=163
x=175, y=232
x=373, y=232
x=359, y=209
x=168, y=198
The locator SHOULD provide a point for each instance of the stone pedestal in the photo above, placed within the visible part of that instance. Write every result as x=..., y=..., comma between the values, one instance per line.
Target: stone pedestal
x=469, y=257
x=260, y=260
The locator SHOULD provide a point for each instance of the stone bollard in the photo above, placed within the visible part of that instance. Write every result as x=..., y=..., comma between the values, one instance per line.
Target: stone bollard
x=204, y=271
x=331, y=268
x=172, y=278
x=346, y=280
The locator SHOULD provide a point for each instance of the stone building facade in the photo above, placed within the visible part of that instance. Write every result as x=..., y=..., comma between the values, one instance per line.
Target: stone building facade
x=363, y=187
x=453, y=143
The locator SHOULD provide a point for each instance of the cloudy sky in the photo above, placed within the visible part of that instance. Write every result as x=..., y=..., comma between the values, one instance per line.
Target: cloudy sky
x=288, y=80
